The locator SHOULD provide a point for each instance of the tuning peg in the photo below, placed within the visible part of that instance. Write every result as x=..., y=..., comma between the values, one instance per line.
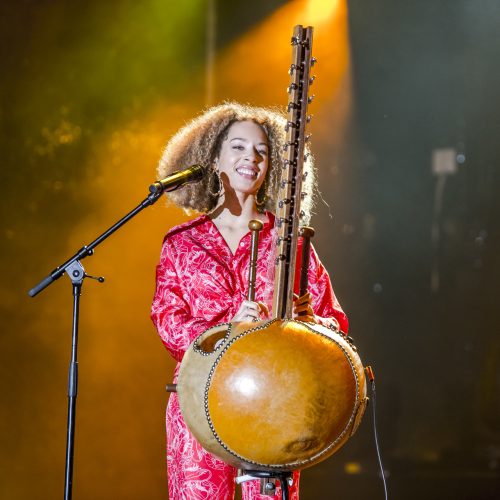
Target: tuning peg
x=311, y=80
x=295, y=40
x=313, y=61
x=293, y=86
x=309, y=118
x=294, y=67
x=307, y=137
x=306, y=157
x=290, y=125
x=280, y=258
x=287, y=163
x=310, y=99
x=282, y=220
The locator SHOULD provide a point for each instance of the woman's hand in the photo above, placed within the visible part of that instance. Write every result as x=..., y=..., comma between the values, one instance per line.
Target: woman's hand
x=302, y=308
x=251, y=311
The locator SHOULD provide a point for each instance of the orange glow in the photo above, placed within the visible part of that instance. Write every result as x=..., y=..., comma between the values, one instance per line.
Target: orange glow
x=352, y=468
x=320, y=11
x=255, y=67
x=123, y=365
x=126, y=159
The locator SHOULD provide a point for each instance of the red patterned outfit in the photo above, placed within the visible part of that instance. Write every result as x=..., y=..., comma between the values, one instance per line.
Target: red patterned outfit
x=199, y=284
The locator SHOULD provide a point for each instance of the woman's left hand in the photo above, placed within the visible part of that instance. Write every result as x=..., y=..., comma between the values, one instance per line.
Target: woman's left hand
x=302, y=308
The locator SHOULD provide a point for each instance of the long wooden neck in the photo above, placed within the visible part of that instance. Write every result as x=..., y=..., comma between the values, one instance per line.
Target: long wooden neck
x=290, y=194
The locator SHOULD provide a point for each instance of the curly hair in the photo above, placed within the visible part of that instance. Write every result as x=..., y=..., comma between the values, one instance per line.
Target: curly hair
x=199, y=143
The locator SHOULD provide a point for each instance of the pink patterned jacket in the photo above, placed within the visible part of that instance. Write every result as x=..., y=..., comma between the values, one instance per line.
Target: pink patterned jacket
x=199, y=284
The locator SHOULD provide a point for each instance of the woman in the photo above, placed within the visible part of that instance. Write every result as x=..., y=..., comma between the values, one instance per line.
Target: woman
x=203, y=270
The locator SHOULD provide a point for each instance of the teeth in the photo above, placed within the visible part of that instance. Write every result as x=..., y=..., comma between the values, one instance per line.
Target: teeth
x=246, y=171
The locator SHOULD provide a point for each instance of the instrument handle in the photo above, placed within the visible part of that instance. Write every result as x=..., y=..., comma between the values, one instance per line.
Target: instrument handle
x=255, y=226
x=306, y=233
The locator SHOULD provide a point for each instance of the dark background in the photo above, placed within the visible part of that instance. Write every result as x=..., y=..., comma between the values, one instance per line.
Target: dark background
x=90, y=93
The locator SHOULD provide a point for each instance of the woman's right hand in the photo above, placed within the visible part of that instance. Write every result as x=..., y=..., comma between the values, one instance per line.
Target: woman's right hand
x=251, y=311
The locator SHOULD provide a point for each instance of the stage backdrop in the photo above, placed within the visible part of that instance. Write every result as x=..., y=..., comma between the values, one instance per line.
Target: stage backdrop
x=405, y=134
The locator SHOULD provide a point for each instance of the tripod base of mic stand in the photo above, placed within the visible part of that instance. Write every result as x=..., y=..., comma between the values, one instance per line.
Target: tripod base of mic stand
x=267, y=484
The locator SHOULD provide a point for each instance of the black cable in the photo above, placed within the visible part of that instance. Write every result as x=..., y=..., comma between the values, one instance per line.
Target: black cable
x=375, y=435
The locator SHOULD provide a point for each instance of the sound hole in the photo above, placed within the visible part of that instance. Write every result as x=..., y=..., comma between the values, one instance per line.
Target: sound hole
x=209, y=341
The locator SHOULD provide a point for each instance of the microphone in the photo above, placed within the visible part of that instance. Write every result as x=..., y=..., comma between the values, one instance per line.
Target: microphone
x=178, y=179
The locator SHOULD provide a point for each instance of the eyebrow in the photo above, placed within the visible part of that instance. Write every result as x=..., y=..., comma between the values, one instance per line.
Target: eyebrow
x=242, y=139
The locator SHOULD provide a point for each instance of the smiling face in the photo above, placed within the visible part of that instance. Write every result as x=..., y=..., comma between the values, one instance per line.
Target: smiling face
x=243, y=158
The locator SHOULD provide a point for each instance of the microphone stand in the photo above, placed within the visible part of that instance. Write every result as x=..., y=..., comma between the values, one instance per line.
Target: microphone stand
x=75, y=271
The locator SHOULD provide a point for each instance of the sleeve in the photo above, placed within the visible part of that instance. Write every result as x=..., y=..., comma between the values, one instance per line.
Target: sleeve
x=324, y=302
x=170, y=311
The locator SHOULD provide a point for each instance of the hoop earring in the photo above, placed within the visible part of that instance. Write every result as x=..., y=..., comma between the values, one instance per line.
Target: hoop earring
x=261, y=199
x=218, y=183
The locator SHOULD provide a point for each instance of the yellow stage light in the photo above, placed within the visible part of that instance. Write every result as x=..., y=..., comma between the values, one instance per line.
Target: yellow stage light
x=320, y=11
